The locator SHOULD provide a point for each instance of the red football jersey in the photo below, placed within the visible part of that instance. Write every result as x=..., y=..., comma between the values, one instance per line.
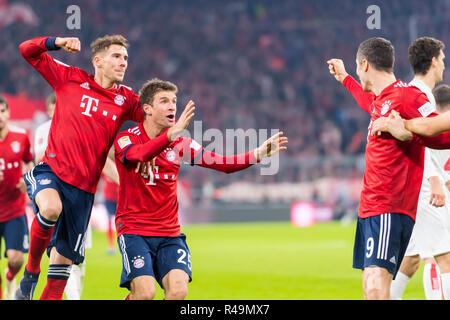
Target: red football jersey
x=149, y=206
x=14, y=149
x=86, y=120
x=393, y=169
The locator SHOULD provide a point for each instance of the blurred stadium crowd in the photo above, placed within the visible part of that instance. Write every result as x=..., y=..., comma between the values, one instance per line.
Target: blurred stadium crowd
x=247, y=64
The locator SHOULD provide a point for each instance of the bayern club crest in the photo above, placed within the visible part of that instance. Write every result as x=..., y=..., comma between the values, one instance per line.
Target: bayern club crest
x=119, y=100
x=385, y=107
x=170, y=155
x=15, y=146
x=138, y=262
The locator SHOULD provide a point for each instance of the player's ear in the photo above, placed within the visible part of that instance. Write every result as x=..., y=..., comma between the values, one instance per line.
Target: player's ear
x=147, y=109
x=365, y=65
x=97, y=61
x=434, y=62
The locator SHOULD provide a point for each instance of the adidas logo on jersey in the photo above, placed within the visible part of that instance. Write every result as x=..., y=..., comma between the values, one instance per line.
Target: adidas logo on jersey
x=401, y=84
x=85, y=85
x=393, y=260
x=135, y=130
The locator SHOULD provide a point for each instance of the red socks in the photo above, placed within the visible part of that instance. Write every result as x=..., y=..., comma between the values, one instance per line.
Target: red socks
x=12, y=271
x=39, y=239
x=54, y=289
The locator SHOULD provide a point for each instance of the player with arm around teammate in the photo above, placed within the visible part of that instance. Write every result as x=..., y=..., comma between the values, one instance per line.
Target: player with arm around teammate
x=392, y=177
x=152, y=247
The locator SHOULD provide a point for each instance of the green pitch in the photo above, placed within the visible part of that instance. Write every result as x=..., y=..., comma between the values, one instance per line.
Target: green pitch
x=273, y=261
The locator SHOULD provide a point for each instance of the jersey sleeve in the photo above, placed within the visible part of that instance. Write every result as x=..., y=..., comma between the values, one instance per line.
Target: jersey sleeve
x=194, y=154
x=129, y=149
x=440, y=142
x=363, y=98
x=416, y=104
x=34, y=52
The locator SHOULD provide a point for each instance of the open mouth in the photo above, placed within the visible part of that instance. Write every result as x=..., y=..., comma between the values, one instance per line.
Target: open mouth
x=171, y=117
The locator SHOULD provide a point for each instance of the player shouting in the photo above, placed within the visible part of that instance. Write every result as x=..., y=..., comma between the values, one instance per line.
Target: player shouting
x=150, y=241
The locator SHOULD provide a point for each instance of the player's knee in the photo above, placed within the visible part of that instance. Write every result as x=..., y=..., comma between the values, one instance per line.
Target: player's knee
x=178, y=291
x=142, y=288
x=376, y=284
x=49, y=204
x=51, y=210
x=143, y=293
x=15, y=258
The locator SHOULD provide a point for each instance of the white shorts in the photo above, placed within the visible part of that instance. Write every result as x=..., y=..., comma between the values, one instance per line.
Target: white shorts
x=431, y=233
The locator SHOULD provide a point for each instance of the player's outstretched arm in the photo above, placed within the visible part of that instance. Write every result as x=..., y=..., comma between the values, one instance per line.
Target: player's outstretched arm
x=363, y=98
x=271, y=146
x=35, y=50
x=394, y=124
x=405, y=130
x=337, y=69
x=237, y=162
x=431, y=126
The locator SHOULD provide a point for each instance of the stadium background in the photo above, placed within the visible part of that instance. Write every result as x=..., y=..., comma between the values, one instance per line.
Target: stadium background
x=247, y=64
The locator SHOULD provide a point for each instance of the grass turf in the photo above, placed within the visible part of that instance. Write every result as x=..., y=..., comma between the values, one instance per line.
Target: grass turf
x=256, y=261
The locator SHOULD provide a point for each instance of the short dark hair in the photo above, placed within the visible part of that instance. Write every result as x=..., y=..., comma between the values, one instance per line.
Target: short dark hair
x=422, y=51
x=379, y=52
x=4, y=101
x=153, y=86
x=442, y=96
x=105, y=42
x=51, y=99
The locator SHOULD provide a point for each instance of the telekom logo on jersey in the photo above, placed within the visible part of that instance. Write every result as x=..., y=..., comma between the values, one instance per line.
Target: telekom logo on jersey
x=91, y=104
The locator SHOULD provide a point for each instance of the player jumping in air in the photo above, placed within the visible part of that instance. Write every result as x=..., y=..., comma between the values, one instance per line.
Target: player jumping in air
x=88, y=114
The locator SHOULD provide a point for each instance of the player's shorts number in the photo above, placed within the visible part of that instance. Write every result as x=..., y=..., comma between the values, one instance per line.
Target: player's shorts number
x=369, y=247
x=181, y=259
